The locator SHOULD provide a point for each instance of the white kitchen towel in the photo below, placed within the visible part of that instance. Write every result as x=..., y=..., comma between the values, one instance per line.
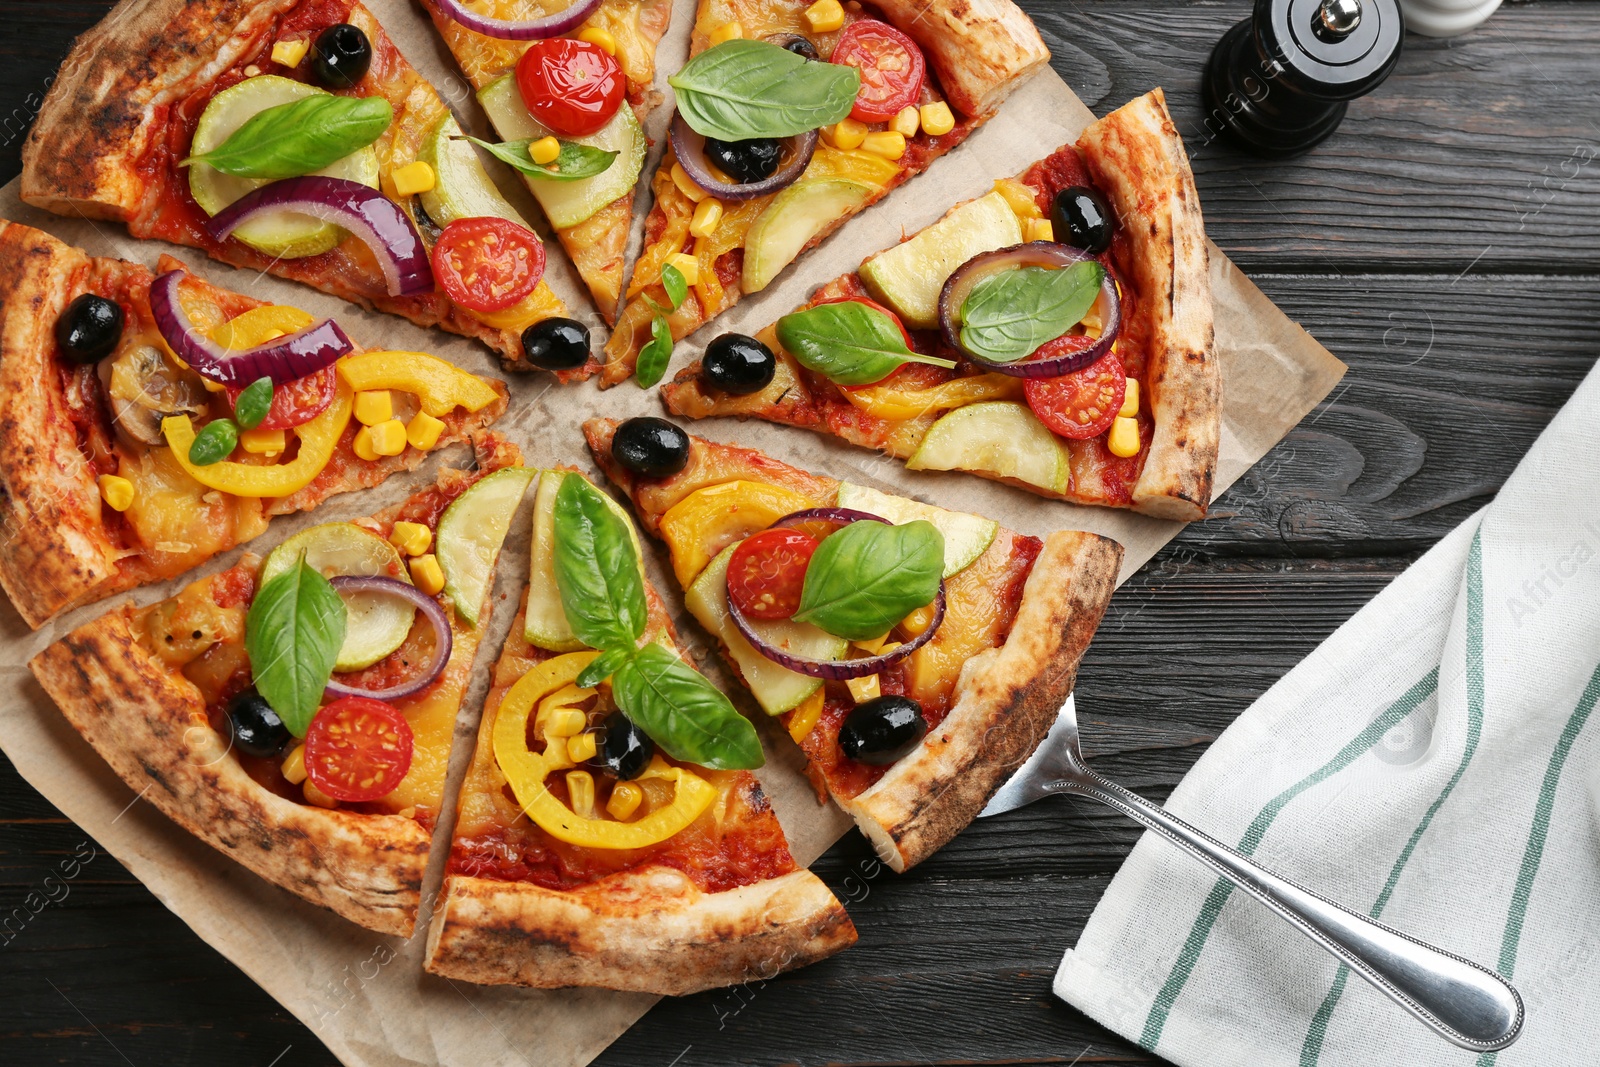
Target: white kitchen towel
x=1432, y=764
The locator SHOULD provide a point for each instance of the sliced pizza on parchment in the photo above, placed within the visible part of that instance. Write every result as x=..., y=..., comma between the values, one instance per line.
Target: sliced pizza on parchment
x=917, y=655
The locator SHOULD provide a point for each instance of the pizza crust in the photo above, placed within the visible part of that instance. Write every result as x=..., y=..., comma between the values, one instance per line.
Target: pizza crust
x=980, y=49
x=648, y=931
x=150, y=725
x=1138, y=159
x=1005, y=701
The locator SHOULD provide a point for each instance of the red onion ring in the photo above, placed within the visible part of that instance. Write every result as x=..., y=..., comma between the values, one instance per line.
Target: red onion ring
x=428, y=606
x=374, y=219
x=690, y=148
x=284, y=359
x=518, y=30
x=959, y=286
x=835, y=669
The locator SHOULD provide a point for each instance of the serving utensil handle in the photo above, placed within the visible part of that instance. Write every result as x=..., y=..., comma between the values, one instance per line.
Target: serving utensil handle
x=1466, y=1004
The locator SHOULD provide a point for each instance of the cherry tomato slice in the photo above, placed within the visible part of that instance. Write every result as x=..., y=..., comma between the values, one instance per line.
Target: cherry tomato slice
x=891, y=65
x=1082, y=404
x=297, y=402
x=768, y=571
x=487, y=264
x=573, y=87
x=358, y=749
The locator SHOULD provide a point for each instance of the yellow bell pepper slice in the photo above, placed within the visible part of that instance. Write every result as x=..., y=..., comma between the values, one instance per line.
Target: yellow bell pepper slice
x=542, y=303
x=527, y=770
x=260, y=325
x=317, y=441
x=708, y=520
x=438, y=385
x=890, y=402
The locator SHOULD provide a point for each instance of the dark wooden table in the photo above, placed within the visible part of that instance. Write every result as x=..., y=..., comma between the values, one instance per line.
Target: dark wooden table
x=1445, y=244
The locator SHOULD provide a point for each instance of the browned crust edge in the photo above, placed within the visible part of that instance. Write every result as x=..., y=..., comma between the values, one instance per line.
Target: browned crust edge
x=95, y=122
x=1138, y=158
x=150, y=726
x=980, y=49
x=650, y=931
x=54, y=547
x=1006, y=699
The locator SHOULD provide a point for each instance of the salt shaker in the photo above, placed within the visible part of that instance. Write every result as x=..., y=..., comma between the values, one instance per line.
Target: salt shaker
x=1279, y=82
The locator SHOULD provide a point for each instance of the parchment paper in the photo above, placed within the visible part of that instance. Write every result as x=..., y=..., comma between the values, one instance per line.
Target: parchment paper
x=366, y=995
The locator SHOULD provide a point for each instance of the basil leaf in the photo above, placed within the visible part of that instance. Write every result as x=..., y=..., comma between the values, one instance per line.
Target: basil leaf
x=597, y=568
x=868, y=576
x=299, y=137
x=744, y=88
x=676, y=285
x=293, y=633
x=1009, y=315
x=656, y=355
x=683, y=712
x=575, y=163
x=603, y=666
x=253, y=404
x=849, y=342
x=214, y=442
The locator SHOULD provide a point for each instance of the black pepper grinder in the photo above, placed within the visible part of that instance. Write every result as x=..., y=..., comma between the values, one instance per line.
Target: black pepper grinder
x=1279, y=82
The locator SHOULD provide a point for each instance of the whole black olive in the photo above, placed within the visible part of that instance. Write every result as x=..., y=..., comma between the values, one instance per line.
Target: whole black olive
x=1080, y=216
x=556, y=344
x=624, y=750
x=882, y=730
x=738, y=364
x=650, y=447
x=341, y=55
x=745, y=161
x=255, y=728
x=801, y=47
x=89, y=329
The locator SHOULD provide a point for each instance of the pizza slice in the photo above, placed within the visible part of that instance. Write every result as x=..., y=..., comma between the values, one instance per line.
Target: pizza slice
x=211, y=705
x=609, y=831
x=126, y=464
x=292, y=137
x=916, y=655
x=792, y=117
x=569, y=111
x=1054, y=334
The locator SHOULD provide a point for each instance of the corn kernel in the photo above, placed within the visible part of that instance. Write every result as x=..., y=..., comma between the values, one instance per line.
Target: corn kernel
x=937, y=119
x=290, y=53
x=707, y=214
x=873, y=645
x=625, y=800
x=260, y=442
x=1130, y=400
x=885, y=143
x=294, y=765
x=825, y=16
x=317, y=796
x=687, y=265
x=555, y=753
x=423, y=431
x=918, y=621
x=362, y=445
x=1038, y=230
x=1124, y=437
x=214, y=387
x=389, y=438
x=806, y=716
x=600, y=39
x=567, y=722
x=544, y=151
x=580, y=790
x=1023, y=203
x=686, y=185
x=426, y=574
x=846, y=134
x=414, y=178
x=412, y=538
x=581, y=748
x=116, y=492
x=906, y=122
x=728, y=31
x=864, y=689
x=374, y=406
